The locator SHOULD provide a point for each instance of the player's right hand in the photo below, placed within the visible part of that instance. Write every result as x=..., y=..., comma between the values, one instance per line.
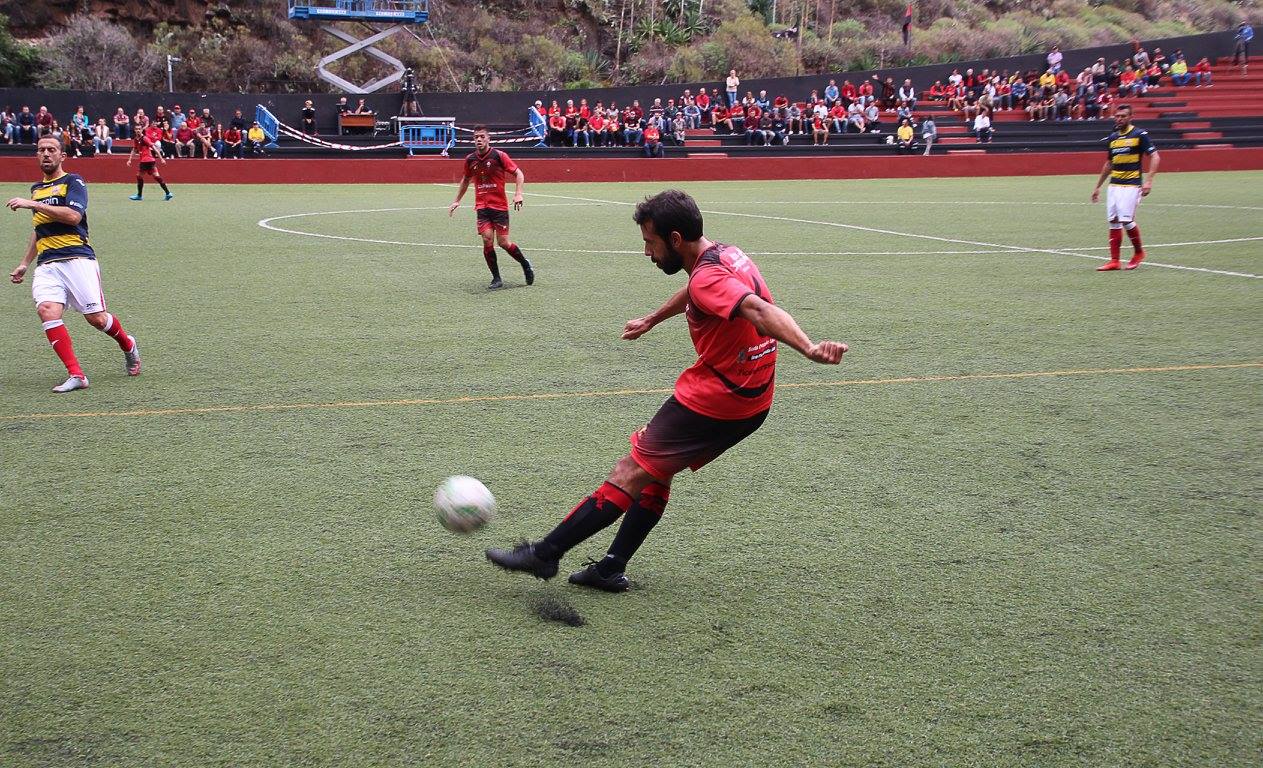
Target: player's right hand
x=451, y=209
x=16, y=275
x=1096, y=195
x=827, y=352
x=129, y=162
x=636, y=328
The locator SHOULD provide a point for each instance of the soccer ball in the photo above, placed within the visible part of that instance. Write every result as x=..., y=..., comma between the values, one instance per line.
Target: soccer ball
x=463, y=504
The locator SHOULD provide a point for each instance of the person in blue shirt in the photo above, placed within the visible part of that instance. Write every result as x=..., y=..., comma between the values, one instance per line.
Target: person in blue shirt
x=831, y=93
x=1245, y=33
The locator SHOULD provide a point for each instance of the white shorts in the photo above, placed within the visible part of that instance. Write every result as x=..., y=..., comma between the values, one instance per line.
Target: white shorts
x=1120, y=203
x=75, y=283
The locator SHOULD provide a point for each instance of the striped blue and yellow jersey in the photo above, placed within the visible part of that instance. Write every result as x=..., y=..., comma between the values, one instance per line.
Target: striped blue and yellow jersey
x=55, y=241
x=1125, y=151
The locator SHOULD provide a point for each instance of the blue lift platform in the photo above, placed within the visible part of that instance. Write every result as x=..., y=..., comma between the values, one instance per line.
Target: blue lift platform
x=396, y=13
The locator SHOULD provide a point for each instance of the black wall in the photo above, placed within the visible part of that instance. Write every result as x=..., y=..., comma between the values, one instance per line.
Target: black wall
x=510, y=107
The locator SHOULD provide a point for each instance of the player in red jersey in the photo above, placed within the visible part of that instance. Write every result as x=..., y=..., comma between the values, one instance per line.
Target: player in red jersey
x=719, y=401
x=490, y=167
x=146, y=146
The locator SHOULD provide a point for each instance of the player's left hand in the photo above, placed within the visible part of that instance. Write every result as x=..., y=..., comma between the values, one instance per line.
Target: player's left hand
x=451, y=209
x=1096, y=195
x=18, y=203
x=827, y=352
x=1146, y=188
x=517, y=202
x=16, y=275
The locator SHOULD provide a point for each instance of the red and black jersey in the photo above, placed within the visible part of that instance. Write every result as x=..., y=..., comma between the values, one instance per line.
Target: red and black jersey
x=488, y=173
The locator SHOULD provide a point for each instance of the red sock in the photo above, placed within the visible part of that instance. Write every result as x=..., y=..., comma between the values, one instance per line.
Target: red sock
x=59, y=337
x=1134, y=235
x=1116, y=243
x=114, y=329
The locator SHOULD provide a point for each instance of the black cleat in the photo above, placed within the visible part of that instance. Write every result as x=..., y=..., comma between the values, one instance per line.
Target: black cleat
x=591, y=577
x=495, y=283
x=523, y=558
x=529, y=272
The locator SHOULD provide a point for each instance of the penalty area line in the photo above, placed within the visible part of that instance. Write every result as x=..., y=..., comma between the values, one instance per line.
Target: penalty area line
x=274, y=407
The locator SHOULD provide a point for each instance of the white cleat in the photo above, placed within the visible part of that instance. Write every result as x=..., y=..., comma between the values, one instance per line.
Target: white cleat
x=71, y=384
x=131, y=360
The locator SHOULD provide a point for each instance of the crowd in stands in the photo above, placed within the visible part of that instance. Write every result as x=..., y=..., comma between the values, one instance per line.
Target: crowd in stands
x=875, y=105
x=174, y=133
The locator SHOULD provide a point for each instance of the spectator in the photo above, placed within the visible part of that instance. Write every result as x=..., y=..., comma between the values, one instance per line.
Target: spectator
x=8, y=123
x=1020, y=94
x=1140, y=57
x=763, y=101
x=855, y=117
x=613, y=131
x=27, y=127
x=184, y=139
x=794, y=120
x=936, y=91
x=703, y=105
x=102, y=143
x=908, y=95
x=255, y=138
x=849, y=93
x=166, y=138
x=633, y=130
x=232, y=143
x=140, y=122
x=872, y=118
x=831, y=94
x=1202, y=73
x=556, y=130
x=205, y=141
x=955, y=78
x=905, y=137
x=656, y=109
x=309, y=118
x=360, y=109
x=1054, y=59
x=865, y=93
x=819, y=131
x=754, y=126
x=929, y=133
x=982, y=127
x=1160, y=59
x=193, y=121
x=44, y=121
x=207, y=118
x=596, y=127
x=79, y=120
x=238, y=122
x=177, y=118
x=778, y=128
x=1104, y=103
x=692, y=114
x=1155, y=76
x=837, y=117
x=1241, y=46
x=730, y=87
x=1180, y=75
x=1004, y=94
x=679, y=127
x=1061, y=105
x=721, y=117
x=888, y=93
x=653, y=141
x=572, y=123
x=737, y=118
x=122, y=124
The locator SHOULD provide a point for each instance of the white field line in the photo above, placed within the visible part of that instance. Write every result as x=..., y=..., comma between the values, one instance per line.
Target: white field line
x=955, y=241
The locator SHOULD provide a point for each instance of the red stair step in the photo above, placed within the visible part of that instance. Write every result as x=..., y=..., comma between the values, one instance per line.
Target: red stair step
x=1204, y=135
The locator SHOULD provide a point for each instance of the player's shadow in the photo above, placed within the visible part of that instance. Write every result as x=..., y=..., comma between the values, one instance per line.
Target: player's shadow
x=482, y=290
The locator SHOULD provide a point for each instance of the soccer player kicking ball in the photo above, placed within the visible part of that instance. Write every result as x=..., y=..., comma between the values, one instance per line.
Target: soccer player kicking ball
x=723, y=398
x=143, y=146
x=66, y=270
x=1127, y=146
x=488, y=167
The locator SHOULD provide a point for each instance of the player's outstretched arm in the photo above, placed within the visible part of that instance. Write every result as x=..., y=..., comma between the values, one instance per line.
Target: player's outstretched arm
x=519, y=179
x=464, y=187
x=771, y=320
x=641, y=325
x=63, y=214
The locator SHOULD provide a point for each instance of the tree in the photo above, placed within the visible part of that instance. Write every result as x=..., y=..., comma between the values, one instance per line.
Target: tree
x=19, y=62
x=95, y=55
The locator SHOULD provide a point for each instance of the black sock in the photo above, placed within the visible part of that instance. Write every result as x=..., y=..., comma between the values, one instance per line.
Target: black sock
x=489, y=253
x=591, y=516
x=163, y=184
x=637, y=524
x=140, y=186
x=516, y=253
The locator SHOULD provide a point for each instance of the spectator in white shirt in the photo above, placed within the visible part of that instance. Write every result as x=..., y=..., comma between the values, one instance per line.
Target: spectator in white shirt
x=101, y=138
x=982, y=127
x=1054, y=59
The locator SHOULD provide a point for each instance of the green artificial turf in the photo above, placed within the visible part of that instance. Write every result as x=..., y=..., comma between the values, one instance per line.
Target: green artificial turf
x=235, y=562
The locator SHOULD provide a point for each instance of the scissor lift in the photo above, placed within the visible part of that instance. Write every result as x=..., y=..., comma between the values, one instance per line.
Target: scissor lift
x=396, y=13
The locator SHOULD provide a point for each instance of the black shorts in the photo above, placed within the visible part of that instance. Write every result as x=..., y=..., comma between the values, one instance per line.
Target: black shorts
x=677, y=438
x=490, y=218
x=150, y=167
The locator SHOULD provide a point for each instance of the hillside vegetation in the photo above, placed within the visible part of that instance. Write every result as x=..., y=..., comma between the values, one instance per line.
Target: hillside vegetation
x=250, y=45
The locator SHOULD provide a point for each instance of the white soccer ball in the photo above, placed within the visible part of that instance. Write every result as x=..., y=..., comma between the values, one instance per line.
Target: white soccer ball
x=463, y=504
